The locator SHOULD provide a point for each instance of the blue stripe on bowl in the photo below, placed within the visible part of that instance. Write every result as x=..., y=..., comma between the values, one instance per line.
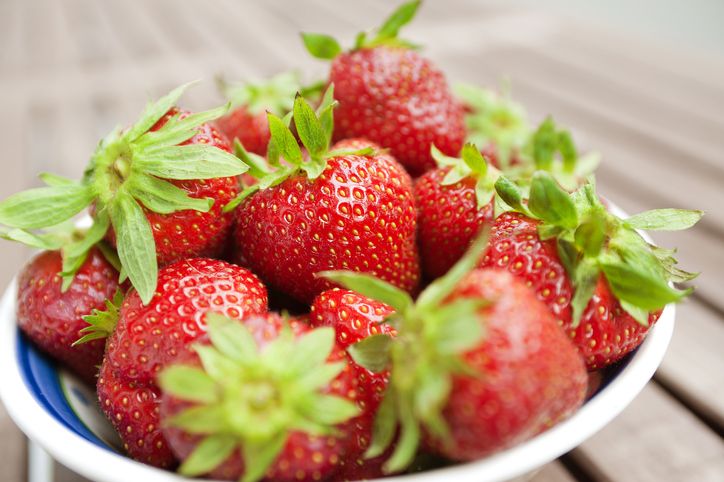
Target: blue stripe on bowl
x=41, y=377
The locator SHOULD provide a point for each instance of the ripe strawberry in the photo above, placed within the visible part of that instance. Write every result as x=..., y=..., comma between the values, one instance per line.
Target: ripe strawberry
x=250, y=102
x=155, y=189
x=292, y=391
x=147, y=337
x=390, y=94
x=454, y=202
x=600, y=279
x=477, y=366
x=341, y=209
x=355, y=317
x=53, y=318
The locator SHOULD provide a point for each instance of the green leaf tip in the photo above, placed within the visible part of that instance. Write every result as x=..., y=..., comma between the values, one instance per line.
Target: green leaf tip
x=325, y=47
x=471, y=164
x=276, y=386
x=275, y=94
x=101, y=323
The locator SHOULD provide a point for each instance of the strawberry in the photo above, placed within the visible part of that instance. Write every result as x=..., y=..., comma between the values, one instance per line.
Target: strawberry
x=292, y=393
x=391, y=95
x=53, y=318
x=355, y=317
x=454, y=202
x=600, y=279
x=340, y=209
x=495, y=123
x=250, y=102
x=147, y=337
x=156, y=190
x=478, y=364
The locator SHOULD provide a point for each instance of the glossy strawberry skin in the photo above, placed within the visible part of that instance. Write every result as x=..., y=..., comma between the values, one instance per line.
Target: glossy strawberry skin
x=398, y=99
x=531, y=374
x=606, y=332
x=355, y=317
x=52, y=319
x=147, y=337
x=188, y=233
x=134, y=411
x=304, y=457
x=358, y=215
x=448, y=220
x=252, y=130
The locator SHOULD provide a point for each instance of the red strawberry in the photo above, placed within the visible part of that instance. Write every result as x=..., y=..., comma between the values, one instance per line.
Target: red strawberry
x=156, y=189
x=188, y=233
x=289, y=387
x=391, y=95
x=147, y=338
x=603, y=283
x=478, y=364
x=53, y=318
x=454, y=202
x=355, y=317
x=250, y=102
x=341, y=209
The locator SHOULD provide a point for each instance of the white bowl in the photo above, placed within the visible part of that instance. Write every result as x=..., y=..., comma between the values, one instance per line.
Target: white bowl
x=94, y=457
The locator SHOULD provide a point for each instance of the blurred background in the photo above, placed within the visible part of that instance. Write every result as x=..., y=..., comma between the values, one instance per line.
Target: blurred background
x=641, y=81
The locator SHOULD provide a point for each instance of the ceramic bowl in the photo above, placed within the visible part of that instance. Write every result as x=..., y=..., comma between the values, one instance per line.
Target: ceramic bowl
x=60, y=413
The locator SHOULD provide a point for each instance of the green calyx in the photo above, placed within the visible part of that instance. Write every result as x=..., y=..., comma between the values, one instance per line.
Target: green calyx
x=471, y=164
x=249, y=398
x=433, y=334
x=552, y=149
x=276, y=95
x=314, y=130
x=101, y=323
x=592, y=242
x=128, y=172
x=495, y=119
x=326, y=47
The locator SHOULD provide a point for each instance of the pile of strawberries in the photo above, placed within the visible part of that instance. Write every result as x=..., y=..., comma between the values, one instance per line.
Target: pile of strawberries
x=324, y=282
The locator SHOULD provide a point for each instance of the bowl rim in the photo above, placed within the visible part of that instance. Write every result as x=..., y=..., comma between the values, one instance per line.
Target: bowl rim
x=102, y=464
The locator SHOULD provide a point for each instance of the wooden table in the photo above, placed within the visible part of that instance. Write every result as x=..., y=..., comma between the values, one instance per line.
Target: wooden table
x=70, y=71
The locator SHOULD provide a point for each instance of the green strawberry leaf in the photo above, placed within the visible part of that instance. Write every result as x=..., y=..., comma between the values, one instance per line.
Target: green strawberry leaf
x=189, y=162
x=550, y=203
x=309, y=128
x=474, y=160
x=163, y=197
x=54, y=180
x=585, y=278
x=385, y=426
x=209, y=454
x=399, y=18
x=511, y=194
x=46, y=241
x=155, y=111
x=188, y=383
x=101, y=323
x=639, y=288
x=284, y=141
x=45, y=206
x=136, y=246
x=590, y=235
x=372, y=353
x=259, y=456
x=321, y=46
x=76, y=252
x=665, y=219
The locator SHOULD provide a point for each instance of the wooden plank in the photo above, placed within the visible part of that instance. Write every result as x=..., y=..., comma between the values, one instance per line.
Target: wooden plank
x=654, y=439
x=553, y=472
x=693, y=367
